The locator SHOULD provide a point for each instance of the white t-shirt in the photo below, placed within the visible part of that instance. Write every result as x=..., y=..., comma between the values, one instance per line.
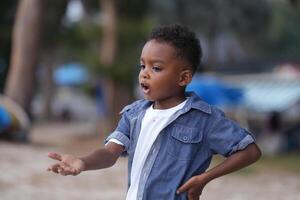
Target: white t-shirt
x=152, y=124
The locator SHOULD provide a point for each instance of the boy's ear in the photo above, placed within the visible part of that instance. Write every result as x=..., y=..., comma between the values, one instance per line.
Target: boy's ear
x=185, y=77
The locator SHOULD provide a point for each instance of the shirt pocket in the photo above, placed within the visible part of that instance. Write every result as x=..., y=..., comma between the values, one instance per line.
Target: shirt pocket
x=184, y=142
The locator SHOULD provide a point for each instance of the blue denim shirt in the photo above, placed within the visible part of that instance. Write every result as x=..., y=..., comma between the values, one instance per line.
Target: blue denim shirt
x=183, y=149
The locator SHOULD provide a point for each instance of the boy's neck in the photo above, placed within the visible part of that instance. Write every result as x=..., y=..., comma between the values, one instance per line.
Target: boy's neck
x=169, y=103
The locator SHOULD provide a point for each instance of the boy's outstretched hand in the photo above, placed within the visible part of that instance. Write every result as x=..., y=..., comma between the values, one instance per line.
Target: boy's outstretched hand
x=193, y=187
x=67, y=165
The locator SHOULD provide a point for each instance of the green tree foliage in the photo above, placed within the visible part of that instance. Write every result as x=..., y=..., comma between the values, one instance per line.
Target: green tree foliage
x=83, y=38
x=283, y=37
x=131, y=37
x=206, y=16
x=244, y=21
x=268, y=28
x=52, y=26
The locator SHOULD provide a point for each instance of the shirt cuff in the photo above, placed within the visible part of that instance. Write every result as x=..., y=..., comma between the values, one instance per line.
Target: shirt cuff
x=119, y=136
x=115, y=141
x=248, y=139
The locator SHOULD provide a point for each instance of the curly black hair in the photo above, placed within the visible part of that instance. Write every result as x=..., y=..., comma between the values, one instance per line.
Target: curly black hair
x=186, y=43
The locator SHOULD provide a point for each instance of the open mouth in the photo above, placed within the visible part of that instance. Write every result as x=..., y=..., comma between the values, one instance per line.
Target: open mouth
x=145, y=88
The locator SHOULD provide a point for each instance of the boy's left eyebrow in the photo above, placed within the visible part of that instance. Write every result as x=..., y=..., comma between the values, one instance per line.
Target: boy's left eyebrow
x=158, y=61
x=153, y=61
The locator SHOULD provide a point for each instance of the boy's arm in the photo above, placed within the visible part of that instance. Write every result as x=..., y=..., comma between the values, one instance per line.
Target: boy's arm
x=236, y=161
x=104, y=157
x=100, y=158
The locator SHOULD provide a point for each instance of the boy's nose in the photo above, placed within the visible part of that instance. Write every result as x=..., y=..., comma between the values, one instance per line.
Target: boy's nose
x=144, y=74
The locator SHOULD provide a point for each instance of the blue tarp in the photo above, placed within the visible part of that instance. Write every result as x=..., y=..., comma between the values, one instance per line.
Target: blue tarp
x=5, y=118
x=70, y=74
x=216, y=92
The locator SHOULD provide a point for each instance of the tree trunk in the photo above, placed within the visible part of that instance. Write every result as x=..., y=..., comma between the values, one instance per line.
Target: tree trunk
x=107, y=56
x=108, y=43
x=24, y=55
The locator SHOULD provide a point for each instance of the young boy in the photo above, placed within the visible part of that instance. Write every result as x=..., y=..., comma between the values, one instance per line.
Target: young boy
x=170, y=136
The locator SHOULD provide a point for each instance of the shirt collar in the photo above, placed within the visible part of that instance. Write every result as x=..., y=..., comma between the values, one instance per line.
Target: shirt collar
x=194, y=101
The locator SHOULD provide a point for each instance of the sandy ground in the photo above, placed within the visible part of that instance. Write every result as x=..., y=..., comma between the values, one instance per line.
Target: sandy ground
x=24, y=176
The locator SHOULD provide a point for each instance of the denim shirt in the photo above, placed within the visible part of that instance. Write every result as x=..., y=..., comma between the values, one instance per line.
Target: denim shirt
x=183, y=149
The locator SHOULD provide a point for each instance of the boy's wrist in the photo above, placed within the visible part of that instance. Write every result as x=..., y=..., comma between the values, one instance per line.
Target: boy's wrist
x=83, y=164
x=206, y=177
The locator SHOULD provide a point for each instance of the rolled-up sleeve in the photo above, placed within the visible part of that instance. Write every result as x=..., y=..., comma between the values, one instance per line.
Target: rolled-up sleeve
x=122, y=132
x=225, y=136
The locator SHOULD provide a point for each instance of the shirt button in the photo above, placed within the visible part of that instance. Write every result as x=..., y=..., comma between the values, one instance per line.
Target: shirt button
x=185, y=138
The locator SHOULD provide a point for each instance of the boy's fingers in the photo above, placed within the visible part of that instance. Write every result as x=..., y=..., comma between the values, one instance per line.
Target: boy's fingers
x=193, y=196
x=55, y=156
x=62, y=172
x=68, y=170
x=184, y=187
x=65, y=169
x=54, y=168
x=75, y=172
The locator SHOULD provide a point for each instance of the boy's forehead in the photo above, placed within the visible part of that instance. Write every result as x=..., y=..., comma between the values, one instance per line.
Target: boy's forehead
x=154, y=49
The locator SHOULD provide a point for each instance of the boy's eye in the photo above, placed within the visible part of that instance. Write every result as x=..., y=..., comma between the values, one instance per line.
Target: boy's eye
x=142, y=66
x=156, y=68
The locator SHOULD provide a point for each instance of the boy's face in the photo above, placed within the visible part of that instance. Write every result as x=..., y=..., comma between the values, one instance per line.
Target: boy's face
x=163, y=76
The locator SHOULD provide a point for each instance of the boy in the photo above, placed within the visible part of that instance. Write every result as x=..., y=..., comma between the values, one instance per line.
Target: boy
x=170, y=136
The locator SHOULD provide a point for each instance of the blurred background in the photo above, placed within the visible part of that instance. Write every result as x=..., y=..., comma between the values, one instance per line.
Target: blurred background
x=67, y=67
